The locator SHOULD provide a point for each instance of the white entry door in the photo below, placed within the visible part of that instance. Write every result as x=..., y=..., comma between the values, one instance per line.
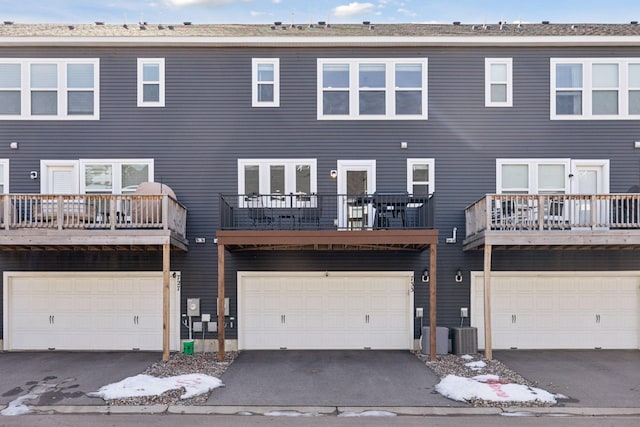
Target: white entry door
x=325, y=310
x=59, y=177
x=590, y=178
x=87, y=311
x=356, y=180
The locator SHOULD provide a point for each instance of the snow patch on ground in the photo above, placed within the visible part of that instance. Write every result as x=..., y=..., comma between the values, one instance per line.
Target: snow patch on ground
x=476, y=366
x=466, y=357
x=367, y=414
x=17, y=407
x=489, y=387
x=146, y=385
x=290, y=414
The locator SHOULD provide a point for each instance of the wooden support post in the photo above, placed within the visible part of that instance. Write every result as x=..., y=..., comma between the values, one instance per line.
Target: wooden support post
x=488, y=351
x=166, y=297
x=432, y=302
x=221, y=312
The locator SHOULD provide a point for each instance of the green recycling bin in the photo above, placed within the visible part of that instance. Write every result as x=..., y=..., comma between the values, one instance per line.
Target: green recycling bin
x=187, y=347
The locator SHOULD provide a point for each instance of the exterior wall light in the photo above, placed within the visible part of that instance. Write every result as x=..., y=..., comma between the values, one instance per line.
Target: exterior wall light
x=458, y=276
x=333, y=174
x=425, y=275
x=13, y=145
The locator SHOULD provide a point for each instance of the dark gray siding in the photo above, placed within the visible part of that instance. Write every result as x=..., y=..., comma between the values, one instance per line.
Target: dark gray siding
x=208, y=123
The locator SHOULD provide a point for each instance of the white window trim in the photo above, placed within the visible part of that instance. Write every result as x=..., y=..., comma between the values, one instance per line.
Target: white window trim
x=141, y=82
x=254, y=82
x=587, y=88
x=116, y=184
x=62, y=90
x=488, y=62
x=5, y=175
x=390, y=89
x=533, y=171
x=289, y=165
x=432, y=173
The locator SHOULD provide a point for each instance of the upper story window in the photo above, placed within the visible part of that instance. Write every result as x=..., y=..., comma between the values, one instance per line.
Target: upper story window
x=4, y=176
x=49, y=89
x=278, y=178
x=420, y=176
x=498, y=82
x=265, y=82
x=150, y=82
x=372, y=89
x=596, y=88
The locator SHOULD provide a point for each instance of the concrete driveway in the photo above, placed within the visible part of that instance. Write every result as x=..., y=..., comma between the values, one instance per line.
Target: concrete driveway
x=591, y=378
x=329, y=378
x=66, y=377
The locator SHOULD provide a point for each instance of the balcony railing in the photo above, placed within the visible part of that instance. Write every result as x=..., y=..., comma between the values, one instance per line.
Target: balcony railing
x=378, y=211
x=553, y=212
x=100, y=212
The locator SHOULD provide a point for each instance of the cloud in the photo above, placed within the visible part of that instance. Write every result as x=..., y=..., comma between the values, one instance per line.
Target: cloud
x=352, y=9
x=255, y=13
x=407, y=12
x=182, y=3
x=276, y=1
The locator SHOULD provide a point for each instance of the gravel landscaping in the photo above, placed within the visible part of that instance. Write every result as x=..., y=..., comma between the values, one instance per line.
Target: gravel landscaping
x=181, y=364
x=452, y=364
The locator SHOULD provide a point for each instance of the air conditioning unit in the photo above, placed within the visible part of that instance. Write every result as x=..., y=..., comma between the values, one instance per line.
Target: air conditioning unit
x=442, y=340
x=465, y=340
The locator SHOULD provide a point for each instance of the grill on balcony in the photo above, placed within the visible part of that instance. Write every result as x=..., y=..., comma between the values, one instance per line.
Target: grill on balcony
x=378, y=211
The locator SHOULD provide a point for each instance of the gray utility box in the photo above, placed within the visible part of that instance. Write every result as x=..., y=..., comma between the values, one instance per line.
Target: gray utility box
x=442, y=340
x=465, y=340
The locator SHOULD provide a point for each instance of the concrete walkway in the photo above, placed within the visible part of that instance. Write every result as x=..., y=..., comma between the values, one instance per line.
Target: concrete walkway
x=329, y=378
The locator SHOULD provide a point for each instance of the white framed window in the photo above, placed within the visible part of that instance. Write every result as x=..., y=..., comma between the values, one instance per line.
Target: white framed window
x=372, y=89
x=4, y=176
x=265, y=82
x=94, y=176
x=532, y=176
x=595, y=88
x=151, y=84
x=420, y=176
x=498, y=77
x=278, y=178
x=49, y=89
x=114, y=176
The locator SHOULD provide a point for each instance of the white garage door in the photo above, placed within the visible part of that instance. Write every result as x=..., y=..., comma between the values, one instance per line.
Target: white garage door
x=87, y=311
x=318, y=310
x=560, y=310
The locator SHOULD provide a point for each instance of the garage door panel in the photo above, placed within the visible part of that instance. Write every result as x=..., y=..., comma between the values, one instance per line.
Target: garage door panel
x=562, y=311
x=81, y=311
x=325, y=311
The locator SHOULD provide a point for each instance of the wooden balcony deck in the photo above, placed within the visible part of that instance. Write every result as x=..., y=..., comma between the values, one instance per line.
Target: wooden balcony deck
x=91, y=222
x=558, y=220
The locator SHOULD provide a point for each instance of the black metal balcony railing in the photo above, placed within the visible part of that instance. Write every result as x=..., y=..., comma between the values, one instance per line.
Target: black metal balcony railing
x=394, y=211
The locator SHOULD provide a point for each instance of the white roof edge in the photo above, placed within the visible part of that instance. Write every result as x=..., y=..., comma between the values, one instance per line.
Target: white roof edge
x=324, y=41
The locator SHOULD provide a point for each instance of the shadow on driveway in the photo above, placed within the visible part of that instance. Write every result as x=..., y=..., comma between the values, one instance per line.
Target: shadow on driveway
x=590, y=378
x=73, y=374
x=329, y=378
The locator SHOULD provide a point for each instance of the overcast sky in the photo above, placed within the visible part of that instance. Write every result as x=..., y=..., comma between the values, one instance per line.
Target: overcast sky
x=305, y=11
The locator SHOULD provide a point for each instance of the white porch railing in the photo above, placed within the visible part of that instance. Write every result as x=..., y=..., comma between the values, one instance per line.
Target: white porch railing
x=553, y=212
x=84, y=211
